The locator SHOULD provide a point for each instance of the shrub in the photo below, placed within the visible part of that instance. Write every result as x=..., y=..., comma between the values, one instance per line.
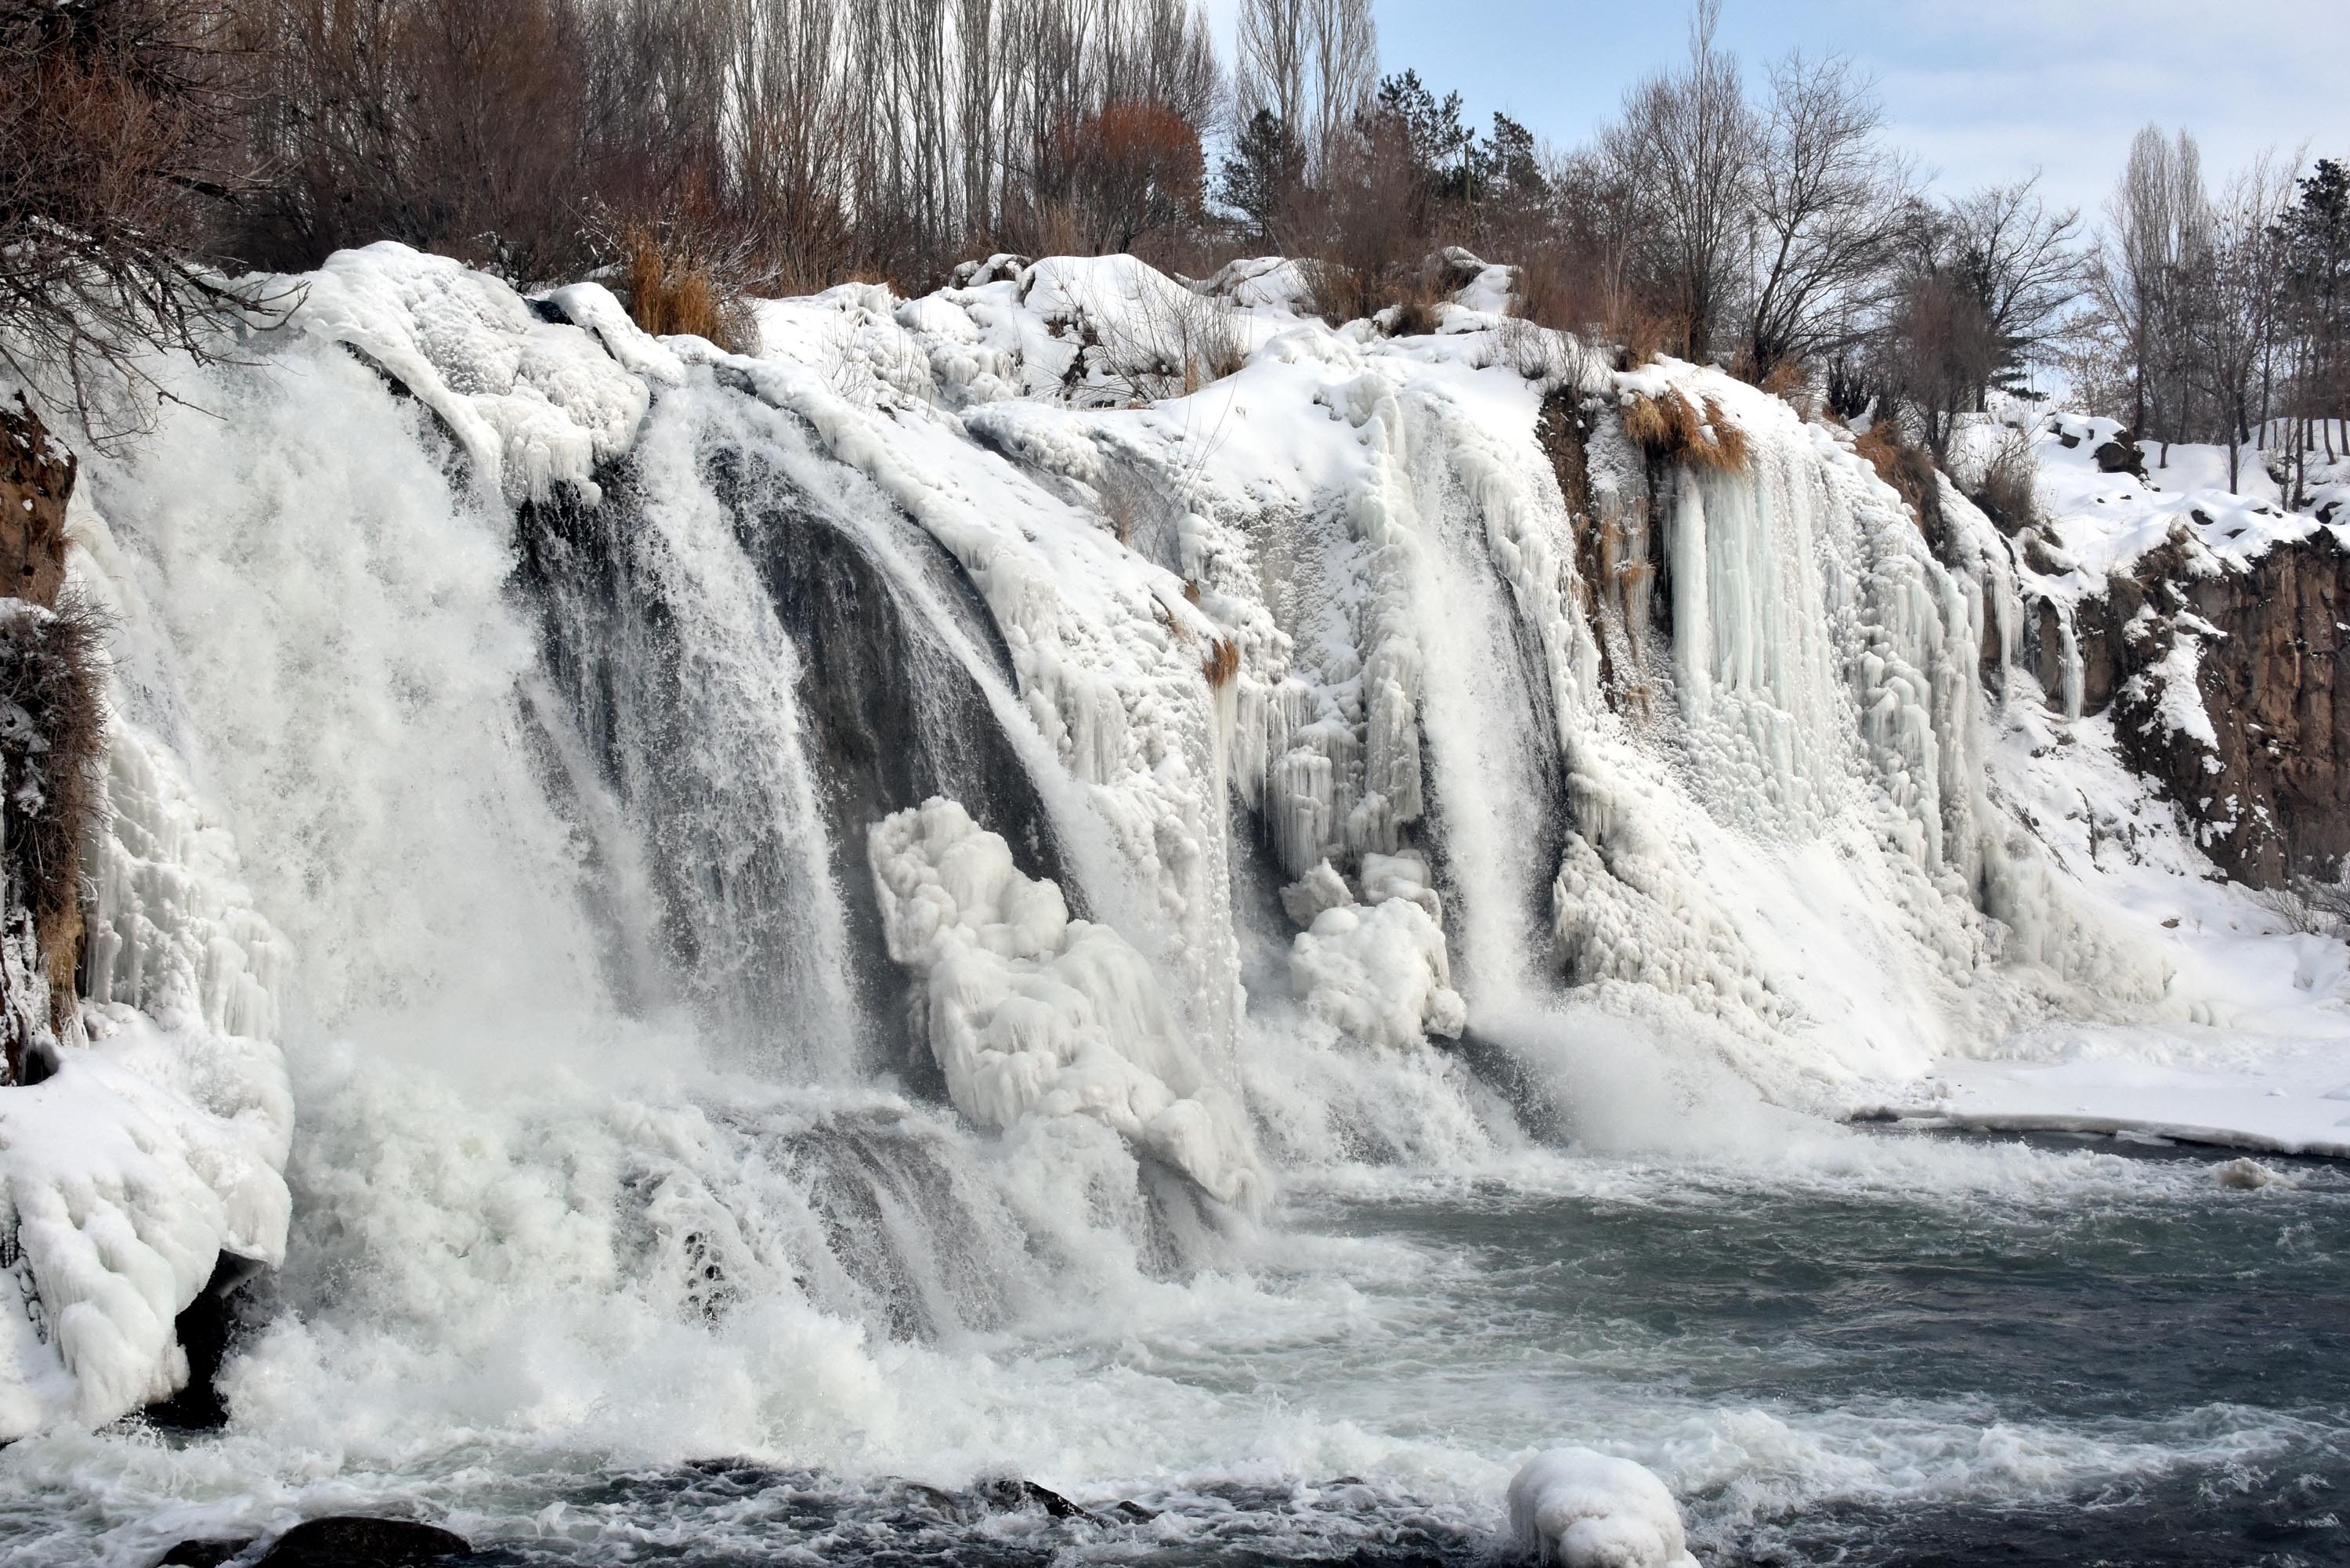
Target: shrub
x=2006, y=483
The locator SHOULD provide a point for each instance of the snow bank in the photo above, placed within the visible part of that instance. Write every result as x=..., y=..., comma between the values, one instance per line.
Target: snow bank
x=535, y=404
x=1572, y=1507
x=1033, y=1013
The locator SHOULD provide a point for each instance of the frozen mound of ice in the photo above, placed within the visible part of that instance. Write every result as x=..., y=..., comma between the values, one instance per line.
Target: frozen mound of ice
x=1379, y=972
x=1577, y=1509
x=1033, y=1013
x=533, y=403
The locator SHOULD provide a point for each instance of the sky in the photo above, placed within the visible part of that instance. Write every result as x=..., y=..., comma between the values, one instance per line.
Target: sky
x=1979, y=91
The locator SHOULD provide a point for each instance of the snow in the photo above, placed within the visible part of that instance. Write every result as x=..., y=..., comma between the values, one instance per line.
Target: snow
x=1572, y=1507
x=2278, y=1094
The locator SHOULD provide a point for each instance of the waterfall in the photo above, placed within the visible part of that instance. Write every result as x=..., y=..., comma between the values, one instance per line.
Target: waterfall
x=764, y=872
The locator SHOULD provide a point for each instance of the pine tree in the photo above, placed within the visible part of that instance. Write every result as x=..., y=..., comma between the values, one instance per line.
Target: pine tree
x=1263, y=173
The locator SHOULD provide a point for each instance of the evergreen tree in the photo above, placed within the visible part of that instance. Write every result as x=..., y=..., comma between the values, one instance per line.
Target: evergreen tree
x=1263, y=173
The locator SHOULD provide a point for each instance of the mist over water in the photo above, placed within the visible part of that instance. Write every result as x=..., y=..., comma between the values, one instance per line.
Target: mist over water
x=630, y=1224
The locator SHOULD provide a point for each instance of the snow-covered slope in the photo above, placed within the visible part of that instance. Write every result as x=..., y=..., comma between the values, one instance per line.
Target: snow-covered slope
x=962, y=799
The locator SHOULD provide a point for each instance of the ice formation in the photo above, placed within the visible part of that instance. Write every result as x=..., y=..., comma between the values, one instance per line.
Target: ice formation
x=1572, y=1507
x=1033, y=1013
x=1383, y=692
x=156, y=1148
x=1379, y=972
x=534, y=405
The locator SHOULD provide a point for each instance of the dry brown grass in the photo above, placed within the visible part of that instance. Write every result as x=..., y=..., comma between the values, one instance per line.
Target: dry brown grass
x=1662, y=426
x=1721, y=445
x=1906, y=467
x=1222, y=662
x=1672, y=426
x=672, y=292
x=1788, y=383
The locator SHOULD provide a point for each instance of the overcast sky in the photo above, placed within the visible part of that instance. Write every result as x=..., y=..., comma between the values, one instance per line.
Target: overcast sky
x=1987, y=89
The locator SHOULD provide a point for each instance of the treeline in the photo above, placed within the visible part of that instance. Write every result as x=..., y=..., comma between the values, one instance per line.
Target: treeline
x=1759, y=219
x=786, y=144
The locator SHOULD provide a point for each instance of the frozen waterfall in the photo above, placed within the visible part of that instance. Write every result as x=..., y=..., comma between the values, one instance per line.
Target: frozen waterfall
x=756, y=866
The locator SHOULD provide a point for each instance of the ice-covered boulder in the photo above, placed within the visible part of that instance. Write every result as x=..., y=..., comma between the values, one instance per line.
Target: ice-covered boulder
x=1572, y=1507
x=1379, y=973
x=1030, y=1013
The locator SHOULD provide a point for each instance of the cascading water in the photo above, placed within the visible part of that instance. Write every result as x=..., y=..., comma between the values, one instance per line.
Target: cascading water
x=794, y=942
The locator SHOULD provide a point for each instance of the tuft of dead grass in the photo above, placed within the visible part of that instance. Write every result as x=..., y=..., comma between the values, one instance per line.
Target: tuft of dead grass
x=1721, y=445
x=1790, y=385
x=1908, y=468
x=1221, y=663
x=673, y=291
x=1672, y=426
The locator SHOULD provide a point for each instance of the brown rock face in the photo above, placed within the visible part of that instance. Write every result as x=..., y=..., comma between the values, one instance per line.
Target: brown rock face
x=2274, y=797
x=36, y=477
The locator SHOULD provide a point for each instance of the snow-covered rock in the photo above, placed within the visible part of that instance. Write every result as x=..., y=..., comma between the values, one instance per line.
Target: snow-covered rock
x=1379, y=972
x=1572, y=1507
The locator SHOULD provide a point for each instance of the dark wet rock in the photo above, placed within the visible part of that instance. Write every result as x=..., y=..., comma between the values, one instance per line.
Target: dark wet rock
x=2121, y=455
x=1010, y=1495
x=202, y=1553
x=206, y=1329
x=349, y=1542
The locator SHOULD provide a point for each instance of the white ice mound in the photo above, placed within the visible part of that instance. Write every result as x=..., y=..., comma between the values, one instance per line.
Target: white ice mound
x=1577, y=1509
x=157, y=1144
x=534, y=403
x=1379, y=972
x=1033, y=1013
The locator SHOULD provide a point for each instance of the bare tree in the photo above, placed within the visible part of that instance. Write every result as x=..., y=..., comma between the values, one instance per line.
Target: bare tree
x=1311, y=64
x=1829, y=206
x=116, y=130
x=2025, y=259
x=1687, y=143
x=2157, y=219
x=2234, y=294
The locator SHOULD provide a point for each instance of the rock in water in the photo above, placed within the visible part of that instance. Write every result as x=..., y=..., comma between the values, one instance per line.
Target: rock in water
x=202, y=1553
x=351, y=1543
x=2247, y=1175
x=1572, y=1507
